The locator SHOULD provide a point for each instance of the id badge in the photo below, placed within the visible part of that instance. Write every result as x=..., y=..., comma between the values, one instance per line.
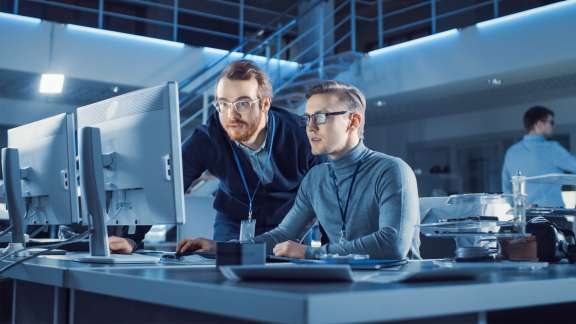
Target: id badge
x=247, y=230
x=342, y=237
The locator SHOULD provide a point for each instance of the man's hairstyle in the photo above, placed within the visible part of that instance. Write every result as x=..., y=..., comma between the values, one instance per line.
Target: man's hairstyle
x=246, y=70
x=352, y=98
x=534, y=115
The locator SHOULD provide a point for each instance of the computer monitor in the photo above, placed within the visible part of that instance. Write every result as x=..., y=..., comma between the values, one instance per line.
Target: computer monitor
x=130, y=163
x=40, y=176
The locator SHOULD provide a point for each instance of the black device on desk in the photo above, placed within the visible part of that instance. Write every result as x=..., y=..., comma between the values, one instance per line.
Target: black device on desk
x=240, y=253
x=175, y=255
x=193, y=258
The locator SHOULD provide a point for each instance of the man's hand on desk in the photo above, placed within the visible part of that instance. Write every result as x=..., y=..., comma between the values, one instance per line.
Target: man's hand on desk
x=196, y=244
x=290, y=249
x=121, y=245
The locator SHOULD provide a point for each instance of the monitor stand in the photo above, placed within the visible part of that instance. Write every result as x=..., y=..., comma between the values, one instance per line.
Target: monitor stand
x=13, y=247
x=92, y=164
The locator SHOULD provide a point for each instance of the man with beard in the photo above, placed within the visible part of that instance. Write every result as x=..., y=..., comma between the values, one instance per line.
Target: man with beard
x=366, y=201
x=258, y=152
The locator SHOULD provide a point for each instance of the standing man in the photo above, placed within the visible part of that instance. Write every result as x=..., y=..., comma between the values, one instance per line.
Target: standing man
x=259, y=153
x=366, y=201
x=536, y=155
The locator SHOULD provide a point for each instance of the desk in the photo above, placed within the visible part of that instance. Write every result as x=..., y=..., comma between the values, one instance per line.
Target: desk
x=94, y=294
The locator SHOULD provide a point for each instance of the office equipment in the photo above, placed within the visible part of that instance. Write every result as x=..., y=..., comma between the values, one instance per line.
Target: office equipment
x=40, y=175
x=236, y=253
x=476, y=221
x=190, y=259
x=47, y=155
x=289, y=272
x=130, y=164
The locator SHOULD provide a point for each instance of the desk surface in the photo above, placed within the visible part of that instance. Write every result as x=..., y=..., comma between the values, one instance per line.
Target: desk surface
x=371, y=298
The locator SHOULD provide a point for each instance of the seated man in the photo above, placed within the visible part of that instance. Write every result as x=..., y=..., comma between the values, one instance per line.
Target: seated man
x=366, y=201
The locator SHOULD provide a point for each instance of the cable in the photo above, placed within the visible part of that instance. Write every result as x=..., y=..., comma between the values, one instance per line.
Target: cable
x=42, y=228
x=49, y=247
x=6, y=230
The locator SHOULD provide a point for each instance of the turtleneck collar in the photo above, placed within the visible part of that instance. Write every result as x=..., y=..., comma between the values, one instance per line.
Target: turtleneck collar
x=538, y=138
x=350, y=157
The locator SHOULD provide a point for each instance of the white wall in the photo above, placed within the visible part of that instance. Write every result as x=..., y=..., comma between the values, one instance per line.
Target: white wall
x=394, y=139
x=18, y=112
x=91, y=54
x=536, y=42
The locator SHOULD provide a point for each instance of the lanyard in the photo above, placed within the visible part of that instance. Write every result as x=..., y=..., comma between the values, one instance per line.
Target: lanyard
x=241, y=170
x=344, y=211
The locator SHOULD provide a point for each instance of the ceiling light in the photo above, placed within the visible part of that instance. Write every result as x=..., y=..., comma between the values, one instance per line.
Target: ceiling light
x=124, y=36
x=51, y=83
x=523, y=14
x=495, y=82
x=380, y=103
x=31, y=20
x=415, y=42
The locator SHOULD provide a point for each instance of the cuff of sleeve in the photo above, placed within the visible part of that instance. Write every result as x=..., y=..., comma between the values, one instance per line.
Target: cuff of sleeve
x=132, y=244
x=315, y=252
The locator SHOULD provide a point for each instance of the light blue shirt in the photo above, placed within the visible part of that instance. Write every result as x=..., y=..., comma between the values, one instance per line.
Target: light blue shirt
x=533, y=156
x=259, y=161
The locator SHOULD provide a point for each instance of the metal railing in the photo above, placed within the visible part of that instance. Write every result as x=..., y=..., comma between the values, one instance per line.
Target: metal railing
x=211, y=72
x=356, y=26
x=172, y=13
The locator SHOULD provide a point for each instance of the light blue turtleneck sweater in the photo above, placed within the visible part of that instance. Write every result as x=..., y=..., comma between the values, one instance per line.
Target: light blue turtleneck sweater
x=382, y=215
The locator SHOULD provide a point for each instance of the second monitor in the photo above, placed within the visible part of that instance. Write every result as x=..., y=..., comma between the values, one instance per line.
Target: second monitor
x=130, y=162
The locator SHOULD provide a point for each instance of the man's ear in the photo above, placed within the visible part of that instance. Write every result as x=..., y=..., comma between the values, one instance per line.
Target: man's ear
x=538, y=126
x=355, y=120
x=266, y=103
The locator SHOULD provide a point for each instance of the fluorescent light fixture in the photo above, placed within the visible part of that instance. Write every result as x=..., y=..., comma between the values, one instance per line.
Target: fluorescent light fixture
x=414, y=42
x=119, y=35
x=215, y=51
x=522, y=14
x=30, y=20
x=51, y=83
x=495, y=82
x=256, y=58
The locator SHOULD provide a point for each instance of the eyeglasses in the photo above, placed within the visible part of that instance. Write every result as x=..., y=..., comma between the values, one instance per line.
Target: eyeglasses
x=241, y=106
x=320, y=118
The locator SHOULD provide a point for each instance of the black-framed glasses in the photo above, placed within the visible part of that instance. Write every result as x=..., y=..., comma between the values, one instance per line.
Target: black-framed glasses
x=320, y=118
x=240, y=106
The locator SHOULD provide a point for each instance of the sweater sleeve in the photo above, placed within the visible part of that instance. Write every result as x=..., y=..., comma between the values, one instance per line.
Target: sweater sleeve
x=397, y=195
x=196, y=151
x=300, y=217
x=563, y=159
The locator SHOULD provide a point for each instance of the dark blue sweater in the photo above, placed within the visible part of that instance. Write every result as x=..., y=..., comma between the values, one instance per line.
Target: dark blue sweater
x=209, y=148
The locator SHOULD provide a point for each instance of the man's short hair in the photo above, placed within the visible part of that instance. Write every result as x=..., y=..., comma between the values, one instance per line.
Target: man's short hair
x=348, y=94
x=534, y=115
x=246, y=70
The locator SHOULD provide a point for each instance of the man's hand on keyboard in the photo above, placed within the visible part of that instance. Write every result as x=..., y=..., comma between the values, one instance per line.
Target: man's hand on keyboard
x=187, y=246
x=120, y=245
